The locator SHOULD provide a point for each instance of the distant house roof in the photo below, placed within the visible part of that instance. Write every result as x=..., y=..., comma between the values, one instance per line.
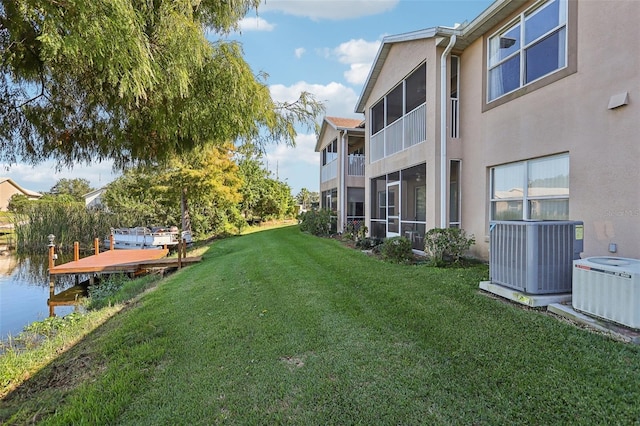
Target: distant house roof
x=27, y=192
x=339, y=123
x=94, y=198
x=347, y=123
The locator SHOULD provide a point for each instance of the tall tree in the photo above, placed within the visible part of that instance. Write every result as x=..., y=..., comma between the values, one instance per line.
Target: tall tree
x=153, y=195
x=130, y=81
x=262, y=196
x=304, y=198
x=76, y=187
x=253, y=175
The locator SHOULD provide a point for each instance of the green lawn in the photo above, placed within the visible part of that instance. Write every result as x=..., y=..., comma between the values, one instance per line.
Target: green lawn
x=278, y=327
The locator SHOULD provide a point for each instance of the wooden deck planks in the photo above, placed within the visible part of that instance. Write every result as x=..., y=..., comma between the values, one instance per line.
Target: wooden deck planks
x=110, y=261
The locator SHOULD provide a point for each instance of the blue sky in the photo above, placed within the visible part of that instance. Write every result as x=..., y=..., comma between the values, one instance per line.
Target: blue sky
x=326, y=48
x=321, y=46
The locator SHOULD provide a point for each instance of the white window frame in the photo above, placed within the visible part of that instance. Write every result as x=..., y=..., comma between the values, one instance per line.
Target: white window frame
x=525, y=198
x=521, y=21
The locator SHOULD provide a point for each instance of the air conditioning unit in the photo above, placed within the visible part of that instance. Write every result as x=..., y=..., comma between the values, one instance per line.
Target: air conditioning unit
x=534, y=257
x=609, y=288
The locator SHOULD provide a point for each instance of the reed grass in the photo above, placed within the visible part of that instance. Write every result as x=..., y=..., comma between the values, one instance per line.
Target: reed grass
x=69, y=222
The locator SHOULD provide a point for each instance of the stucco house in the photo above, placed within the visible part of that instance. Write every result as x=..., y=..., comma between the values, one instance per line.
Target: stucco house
x=342, y=169
x=8, y=188
x=529, y=111
x=93, y=199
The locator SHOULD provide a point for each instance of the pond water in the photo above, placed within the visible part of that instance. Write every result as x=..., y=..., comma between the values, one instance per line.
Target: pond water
x=24, y=291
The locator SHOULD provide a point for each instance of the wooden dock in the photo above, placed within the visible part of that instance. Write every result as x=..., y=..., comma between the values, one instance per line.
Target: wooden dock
x=135, y=262
x=122, y=261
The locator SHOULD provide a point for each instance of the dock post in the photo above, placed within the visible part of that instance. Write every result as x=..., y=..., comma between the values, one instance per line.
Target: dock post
x=96, y=246
x=52, y=263
x=111, y=241
x=76, y=257
x=180, y=253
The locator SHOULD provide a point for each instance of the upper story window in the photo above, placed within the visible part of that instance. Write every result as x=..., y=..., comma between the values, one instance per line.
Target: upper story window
x=402, y=99
x=527, y=49
x=330, y=152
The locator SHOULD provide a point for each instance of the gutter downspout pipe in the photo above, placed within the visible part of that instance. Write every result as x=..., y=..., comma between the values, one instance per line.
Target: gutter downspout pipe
x=343, y=179
x=443, y=131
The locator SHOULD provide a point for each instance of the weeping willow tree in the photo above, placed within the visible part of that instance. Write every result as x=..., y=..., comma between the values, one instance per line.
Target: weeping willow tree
x=135, y=82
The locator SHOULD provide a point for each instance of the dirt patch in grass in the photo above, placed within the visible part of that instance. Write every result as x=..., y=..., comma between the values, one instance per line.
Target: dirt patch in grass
x=293, y=362
x=38, y=397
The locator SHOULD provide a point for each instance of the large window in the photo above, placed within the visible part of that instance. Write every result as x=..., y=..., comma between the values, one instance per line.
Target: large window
x=416, y=89
x=531, y=47
x=454, y=193
x=330, y=152
x=534, y=189
x=401, y=100
x=394, y=104
x=399, y=205
x=454, y=91
x=330, y=200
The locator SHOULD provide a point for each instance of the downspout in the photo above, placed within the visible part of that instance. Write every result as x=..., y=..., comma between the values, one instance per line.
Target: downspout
x=343, y=179
x=443, y=131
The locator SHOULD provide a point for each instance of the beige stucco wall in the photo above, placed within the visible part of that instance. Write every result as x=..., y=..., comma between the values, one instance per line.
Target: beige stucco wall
x=7, y=190
x=342, y=181
x=329, y=135
x=569, y=115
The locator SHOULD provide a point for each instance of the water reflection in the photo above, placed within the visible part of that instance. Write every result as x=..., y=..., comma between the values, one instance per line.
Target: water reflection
x=25, y=290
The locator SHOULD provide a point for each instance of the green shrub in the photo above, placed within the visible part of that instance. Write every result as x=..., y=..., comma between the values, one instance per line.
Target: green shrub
x=368, y=243
x=397, y=250
x=49, y=326
x=355, y=231
x=447, y=246
x=104, y=293
x=316, y=222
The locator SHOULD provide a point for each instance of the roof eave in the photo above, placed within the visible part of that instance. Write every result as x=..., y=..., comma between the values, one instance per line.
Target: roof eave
x=498, y=11
x=466, y=34
x=325, y=123
x=383, y=52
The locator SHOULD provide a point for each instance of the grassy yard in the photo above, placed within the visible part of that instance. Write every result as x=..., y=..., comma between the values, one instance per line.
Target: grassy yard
x=278, y=327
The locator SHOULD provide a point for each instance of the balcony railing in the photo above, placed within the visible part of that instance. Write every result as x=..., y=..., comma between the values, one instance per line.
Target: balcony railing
x=356, y=165
x=415, y=126
x=376, y=148
x=329, y=171
x=455, y=118
x=402, y=134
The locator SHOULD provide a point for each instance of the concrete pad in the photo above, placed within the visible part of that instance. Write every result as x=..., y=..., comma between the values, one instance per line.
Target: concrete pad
x=615, y=330
x=533, y=300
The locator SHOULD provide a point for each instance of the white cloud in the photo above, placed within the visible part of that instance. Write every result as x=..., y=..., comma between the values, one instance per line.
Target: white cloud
x=357, y=51
x=329, y=9
x=338, y=99
x=255, y=24
x=299, y=52
x=359, y=55
x=42, y=177
x=298, y=166
x=358, y=73
x=303, y=152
